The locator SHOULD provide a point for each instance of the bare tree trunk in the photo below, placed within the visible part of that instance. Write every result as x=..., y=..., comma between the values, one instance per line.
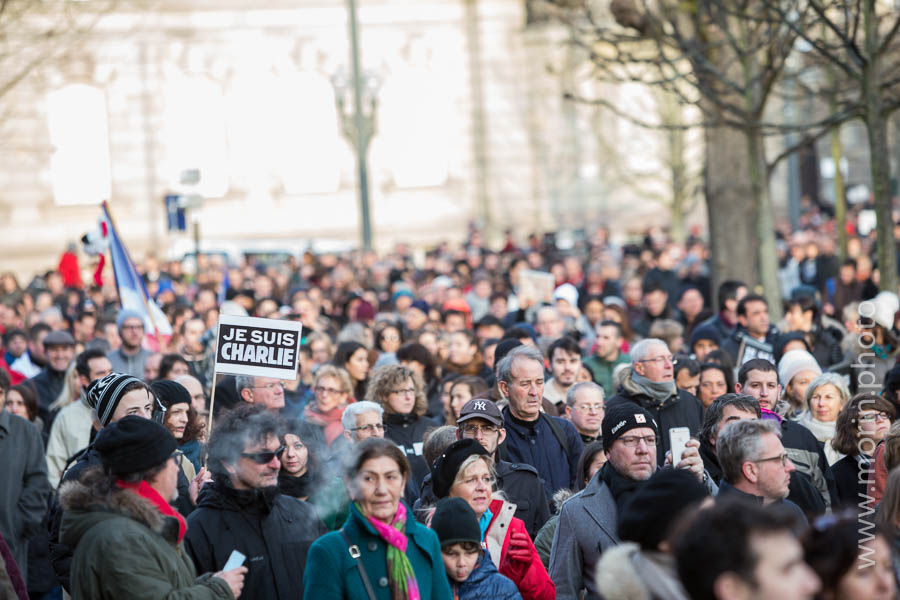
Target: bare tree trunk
x=840, y=200
x=732, y=239
x=876, y=127
x=765, y=223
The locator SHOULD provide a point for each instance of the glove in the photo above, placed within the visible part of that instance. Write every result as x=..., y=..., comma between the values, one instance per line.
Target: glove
x=520, y=548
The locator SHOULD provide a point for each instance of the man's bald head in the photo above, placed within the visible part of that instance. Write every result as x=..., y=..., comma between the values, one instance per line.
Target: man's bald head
x=193, y=385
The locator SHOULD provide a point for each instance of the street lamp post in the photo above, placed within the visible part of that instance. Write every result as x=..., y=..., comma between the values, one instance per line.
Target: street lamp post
x=357, y=124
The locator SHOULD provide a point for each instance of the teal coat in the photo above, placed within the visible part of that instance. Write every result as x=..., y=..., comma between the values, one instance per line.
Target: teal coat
x=331, y=572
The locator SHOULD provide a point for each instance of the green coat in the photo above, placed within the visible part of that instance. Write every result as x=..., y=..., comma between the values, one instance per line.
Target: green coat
x=331, y=572
x=602, y=370
x=124, y=548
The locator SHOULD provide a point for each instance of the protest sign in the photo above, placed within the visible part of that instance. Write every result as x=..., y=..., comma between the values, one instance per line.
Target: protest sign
x=258, y=347
x=535, y=287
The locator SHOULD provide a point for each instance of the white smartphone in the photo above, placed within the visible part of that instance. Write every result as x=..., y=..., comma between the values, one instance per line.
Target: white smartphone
x=678, y=437
x=234, y=561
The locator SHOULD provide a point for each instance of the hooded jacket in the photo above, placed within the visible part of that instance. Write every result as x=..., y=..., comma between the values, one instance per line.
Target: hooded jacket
x=532, y=582
x=272, y=530
x=681, y=409
x=125, y=548
x=485, y=583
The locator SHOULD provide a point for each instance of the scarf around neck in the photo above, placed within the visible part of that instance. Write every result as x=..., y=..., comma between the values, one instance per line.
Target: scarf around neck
x=400, y=572
x=146, y=491
x=659, y=391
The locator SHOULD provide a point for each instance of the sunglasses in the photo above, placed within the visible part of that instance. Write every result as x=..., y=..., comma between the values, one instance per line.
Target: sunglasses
x=262, y=458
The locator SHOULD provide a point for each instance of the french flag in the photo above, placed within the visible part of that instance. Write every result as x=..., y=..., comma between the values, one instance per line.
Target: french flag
x=132, y=291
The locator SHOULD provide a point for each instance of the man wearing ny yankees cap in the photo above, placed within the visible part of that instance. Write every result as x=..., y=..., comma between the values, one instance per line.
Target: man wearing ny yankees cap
x=480, y=419
x=587, y=521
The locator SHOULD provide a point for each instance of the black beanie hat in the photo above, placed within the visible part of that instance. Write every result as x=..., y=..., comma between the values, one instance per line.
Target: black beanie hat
x=170, y=393
x=503, y=348
x=624, y=417
x=454, y=521
x=446, y=466
x=647, y=517
x=134, y=444
x=105, y=393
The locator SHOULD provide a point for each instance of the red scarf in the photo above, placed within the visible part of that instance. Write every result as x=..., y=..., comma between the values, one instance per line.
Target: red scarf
x=146, y=491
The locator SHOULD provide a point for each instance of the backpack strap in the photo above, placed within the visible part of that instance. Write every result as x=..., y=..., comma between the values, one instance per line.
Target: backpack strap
x=556, y=428
x=353, y=549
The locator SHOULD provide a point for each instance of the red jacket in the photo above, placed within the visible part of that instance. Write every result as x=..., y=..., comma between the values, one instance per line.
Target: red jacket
x=532, y=580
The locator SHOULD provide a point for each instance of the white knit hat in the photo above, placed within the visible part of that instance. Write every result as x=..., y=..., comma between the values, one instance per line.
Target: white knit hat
x=795, y=361
x=886, y=306
x=567, y=292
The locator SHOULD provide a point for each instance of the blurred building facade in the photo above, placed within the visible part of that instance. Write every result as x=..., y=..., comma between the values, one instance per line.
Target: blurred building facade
x=471, y=124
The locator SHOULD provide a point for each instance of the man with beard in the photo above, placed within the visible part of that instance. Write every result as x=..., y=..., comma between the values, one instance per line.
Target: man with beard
x=131, y=356
x=242, y=509
x=60, y=349
x=565, y=363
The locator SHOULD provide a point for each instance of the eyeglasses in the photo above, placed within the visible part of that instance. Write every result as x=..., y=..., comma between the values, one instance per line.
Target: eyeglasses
x=178, y=455
x=327, y=391
x=270, y=386
x=660, y=360
x=132, y=326
x=372, y=428
x=591, y=407
x=869, y=417
x=483, y=429
x=262, y=458
x=632, y=441
x=782, y=457
x=404, y=391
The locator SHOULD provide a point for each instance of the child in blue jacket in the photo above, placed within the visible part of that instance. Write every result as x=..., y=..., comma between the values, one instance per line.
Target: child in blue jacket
x=470, y=570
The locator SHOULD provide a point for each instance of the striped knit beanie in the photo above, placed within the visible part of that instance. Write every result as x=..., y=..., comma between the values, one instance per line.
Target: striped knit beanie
x=105, y=393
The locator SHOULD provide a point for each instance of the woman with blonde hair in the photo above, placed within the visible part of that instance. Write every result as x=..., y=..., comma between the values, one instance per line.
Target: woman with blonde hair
x=400, y=393
x=332, y=390
x=465, y=470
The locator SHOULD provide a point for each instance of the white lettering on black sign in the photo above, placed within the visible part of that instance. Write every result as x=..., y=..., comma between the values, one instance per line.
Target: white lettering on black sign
x=260, y=347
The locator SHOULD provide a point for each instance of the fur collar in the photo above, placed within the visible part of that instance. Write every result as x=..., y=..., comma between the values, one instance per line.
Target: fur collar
x=91, y=495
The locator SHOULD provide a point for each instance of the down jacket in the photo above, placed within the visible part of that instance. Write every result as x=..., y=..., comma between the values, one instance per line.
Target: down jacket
x=125, y=548
x=485, y=583
x=533, y=582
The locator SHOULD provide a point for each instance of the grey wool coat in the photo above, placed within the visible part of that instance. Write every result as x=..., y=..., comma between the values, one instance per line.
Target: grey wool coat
x=587, y=527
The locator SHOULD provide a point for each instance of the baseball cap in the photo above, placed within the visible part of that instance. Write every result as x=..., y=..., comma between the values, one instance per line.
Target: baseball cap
x=481, y=408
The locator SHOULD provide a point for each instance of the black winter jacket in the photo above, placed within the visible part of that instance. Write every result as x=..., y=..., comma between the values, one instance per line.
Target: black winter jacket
x=522, y=487
x=407, y=432
x=272, y=530
x=535, y=444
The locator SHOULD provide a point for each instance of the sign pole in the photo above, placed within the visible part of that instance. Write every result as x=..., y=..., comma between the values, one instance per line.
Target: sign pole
x=212, y=406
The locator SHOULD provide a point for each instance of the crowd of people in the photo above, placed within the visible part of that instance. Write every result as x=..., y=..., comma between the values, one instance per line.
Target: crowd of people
x=452, y=434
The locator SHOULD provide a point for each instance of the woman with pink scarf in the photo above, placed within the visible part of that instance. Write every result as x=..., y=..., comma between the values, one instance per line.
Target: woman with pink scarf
x=381, y=552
